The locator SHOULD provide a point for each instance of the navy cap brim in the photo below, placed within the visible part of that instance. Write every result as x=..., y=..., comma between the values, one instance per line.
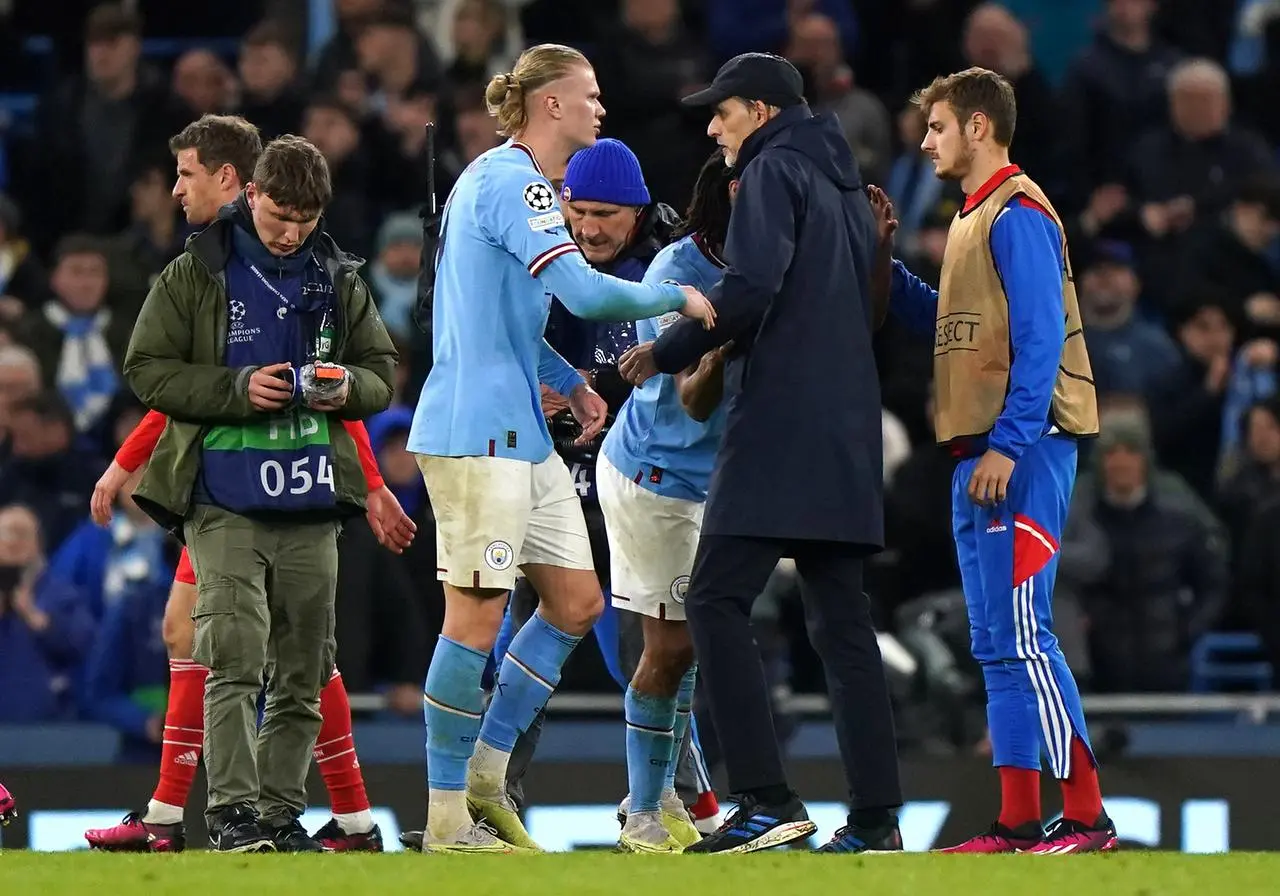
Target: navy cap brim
x=708, y=96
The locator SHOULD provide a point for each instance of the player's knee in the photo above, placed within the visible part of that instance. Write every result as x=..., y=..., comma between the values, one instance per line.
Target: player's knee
x=668, y=654
x=177, y=627
x=578, y=613
x=473, y=616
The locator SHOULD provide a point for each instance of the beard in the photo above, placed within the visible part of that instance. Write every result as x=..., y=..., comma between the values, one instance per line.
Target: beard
x=960, y=167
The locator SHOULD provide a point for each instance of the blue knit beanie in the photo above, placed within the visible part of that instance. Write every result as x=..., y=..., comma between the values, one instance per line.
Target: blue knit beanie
x=606, y=171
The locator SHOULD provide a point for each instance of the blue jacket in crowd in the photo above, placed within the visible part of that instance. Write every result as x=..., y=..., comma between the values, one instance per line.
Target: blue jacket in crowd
x=38, y=670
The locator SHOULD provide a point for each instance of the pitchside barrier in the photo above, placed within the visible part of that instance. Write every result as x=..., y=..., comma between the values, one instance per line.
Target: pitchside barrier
x=1196, y=773
x=1186, y=804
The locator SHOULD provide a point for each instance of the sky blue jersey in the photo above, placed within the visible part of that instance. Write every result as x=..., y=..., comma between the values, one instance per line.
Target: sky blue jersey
x=504, y=250
x=653, y=440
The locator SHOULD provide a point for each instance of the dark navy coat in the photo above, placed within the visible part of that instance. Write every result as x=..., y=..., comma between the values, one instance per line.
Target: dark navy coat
x=801, y=456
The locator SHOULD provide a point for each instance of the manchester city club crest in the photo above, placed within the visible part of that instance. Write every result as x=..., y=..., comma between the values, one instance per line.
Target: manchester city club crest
x=679, y=588
x=499, y=555
x=538, y=196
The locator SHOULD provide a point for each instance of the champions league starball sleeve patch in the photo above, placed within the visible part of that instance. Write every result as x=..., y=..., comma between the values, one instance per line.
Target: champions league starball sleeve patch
x=539, y=197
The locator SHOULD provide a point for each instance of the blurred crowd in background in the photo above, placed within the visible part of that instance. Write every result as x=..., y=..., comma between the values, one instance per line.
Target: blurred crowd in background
x=1147, y=123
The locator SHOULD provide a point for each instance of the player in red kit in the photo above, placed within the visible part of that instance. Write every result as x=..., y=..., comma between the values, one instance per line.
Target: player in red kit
x=215, y=156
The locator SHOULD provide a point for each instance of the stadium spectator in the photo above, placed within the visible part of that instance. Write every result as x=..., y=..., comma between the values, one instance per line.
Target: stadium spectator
x=331, y=127
x=22, y=279
x=814, y=48
x=1257, y=481
x=1186, y=172
x=43, y=470
x=1234, y=256
x=393, y=276
x=82, y=559
x=339, y=54
x=395, y=57
x=92, y=125
x=126, y=673
x=1166, y=582
x=1115, y=92
x=202, y=84
x=268, y=68
x=651, y=62
x=45, y=628
x=79, y=341
x=478, y=34
x=1186, y=415
x=1130, y=354
x=154, y=237
x=1253, y=380
x=20, y=379
x=993, y=38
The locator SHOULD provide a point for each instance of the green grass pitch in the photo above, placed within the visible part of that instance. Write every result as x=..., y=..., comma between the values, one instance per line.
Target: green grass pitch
x=563, y=874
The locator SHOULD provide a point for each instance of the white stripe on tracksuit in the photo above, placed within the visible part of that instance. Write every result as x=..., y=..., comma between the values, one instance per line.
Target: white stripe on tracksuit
x=1054, y=719
x=701, y=775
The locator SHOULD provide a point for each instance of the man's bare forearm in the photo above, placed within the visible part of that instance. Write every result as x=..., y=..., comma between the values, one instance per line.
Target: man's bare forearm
x=702, y=388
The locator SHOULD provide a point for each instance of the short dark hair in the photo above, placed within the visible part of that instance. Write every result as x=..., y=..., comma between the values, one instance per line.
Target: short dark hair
x=108, y=21
x=974, y=90
x=294, y=174
x=270, y=32
x=78, y=244
x=221, y=140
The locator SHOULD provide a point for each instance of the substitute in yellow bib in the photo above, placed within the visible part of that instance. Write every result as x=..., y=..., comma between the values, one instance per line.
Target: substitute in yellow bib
x=1014, y=394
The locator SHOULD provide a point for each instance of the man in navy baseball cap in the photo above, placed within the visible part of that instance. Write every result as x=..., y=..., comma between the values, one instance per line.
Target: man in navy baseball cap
x=753, y=77
x=762, y=83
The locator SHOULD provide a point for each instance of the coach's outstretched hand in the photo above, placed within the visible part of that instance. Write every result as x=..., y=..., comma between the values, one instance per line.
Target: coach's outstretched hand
x=699, y=307
x=637, y=365
x=591, y=412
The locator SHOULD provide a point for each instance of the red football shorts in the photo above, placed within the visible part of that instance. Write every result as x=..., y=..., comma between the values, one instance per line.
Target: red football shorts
x=185, y=574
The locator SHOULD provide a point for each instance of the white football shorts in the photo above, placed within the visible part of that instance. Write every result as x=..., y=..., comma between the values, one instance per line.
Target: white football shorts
x=652, y=541
x=495, y=515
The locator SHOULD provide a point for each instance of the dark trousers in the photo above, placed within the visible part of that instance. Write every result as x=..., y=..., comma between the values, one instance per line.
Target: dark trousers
x=728, y=573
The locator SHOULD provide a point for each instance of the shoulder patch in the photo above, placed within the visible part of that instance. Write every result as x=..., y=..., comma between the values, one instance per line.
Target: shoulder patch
x=539, y=196
x=549, y=221
x=666, y=320
x=1024, y=201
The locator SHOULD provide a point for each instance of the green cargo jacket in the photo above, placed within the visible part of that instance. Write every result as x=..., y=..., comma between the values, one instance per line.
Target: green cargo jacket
x=174, y=365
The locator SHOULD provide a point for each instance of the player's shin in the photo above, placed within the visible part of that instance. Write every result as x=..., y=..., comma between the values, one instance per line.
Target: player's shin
x=650, y=720
x=529, y=675
x=453, y=706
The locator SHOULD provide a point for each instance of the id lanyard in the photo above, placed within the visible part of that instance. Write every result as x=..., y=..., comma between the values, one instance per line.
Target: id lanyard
x=285, y=304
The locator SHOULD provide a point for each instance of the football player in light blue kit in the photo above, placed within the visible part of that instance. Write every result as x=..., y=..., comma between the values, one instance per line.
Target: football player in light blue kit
x=503, y=500
x=652, y=482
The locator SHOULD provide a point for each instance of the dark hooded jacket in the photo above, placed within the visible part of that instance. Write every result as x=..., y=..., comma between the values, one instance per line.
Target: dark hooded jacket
x=801, y=456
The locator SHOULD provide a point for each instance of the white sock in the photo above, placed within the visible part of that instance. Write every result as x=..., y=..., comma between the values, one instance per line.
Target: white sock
x=162, y=813
x=355, y=822
x=447, y=813
x=487, y=771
